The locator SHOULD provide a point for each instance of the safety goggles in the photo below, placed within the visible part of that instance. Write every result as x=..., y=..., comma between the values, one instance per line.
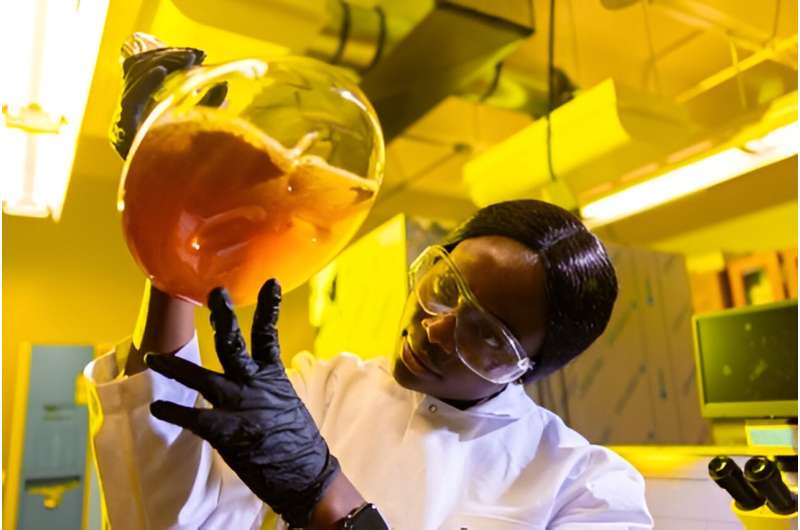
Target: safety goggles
x=482, y=342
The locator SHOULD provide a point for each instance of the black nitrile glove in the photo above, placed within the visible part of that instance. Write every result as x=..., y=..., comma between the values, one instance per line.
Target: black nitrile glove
x=144, y=73
x=258, y=425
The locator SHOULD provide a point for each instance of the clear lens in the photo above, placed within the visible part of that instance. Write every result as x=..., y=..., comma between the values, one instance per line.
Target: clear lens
x=484, y=347
x=436, y=285
x=438, y=290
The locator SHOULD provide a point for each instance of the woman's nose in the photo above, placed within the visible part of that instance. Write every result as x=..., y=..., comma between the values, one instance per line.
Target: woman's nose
x=440, y=330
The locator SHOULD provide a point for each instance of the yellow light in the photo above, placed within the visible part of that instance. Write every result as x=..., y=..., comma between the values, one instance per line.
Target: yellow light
x=48, y=51
x=724, y=165
x=783, y=139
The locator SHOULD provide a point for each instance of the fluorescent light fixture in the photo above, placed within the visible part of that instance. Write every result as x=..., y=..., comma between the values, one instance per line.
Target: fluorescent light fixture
x=722, y=166
x=783, y=139
x=48, y=52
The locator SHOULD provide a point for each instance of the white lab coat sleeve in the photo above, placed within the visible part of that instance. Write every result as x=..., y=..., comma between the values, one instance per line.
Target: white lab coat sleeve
x=316, y=380
x=155, y=475
x=604, y=492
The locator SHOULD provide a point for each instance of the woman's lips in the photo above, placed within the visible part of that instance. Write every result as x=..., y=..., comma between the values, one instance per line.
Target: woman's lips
x=417, y=363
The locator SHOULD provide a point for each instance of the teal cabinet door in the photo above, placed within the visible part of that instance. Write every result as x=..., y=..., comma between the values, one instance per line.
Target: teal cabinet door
x=54, y=452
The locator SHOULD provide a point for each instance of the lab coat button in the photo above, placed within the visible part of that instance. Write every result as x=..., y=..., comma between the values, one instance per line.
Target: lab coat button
x=433, y=409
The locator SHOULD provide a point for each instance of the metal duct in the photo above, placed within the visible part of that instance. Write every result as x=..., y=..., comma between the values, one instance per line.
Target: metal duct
x=452, y=45
x=526, y=92
x=407, y=64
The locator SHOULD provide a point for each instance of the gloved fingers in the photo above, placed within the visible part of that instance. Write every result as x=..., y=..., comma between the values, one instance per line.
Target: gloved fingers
x=134, y=103
x=215, y=95
x=212, y=385
x=138, y=93
x=170, y=58
x=144, y=73
x=210, y=424
x=266, y=348
x=228, y=339
x=175, y=59
x=179, y=58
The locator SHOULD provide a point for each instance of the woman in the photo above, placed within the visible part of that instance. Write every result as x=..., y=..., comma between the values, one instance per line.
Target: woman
x=444, y=437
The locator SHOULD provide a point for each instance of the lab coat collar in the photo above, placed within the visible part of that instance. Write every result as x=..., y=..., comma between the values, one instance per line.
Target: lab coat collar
x=510, y=404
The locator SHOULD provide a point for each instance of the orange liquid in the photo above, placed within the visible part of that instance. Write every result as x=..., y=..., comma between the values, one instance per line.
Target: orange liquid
x=212, y=203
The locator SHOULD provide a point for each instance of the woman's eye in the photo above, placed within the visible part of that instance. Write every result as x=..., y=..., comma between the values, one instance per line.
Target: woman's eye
x=489, y=338
x=446, y=290
x=492, y=341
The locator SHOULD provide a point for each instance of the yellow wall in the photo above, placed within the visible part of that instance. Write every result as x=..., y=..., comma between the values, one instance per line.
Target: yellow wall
x=773, y=228
x=74, y=282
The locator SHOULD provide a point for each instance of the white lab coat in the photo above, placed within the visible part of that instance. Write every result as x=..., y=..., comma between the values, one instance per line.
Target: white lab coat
x=506, y=464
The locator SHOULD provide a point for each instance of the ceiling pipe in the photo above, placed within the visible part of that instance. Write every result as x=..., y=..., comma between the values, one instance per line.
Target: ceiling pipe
x=407, y=62
x=451, y=46
x=732, y=71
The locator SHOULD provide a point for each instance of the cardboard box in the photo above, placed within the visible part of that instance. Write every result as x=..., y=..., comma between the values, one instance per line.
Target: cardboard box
x=676, y=308
x=789, y=263
x=710, y=291
x=654, y=297
x=756, y=279
x=633, y=417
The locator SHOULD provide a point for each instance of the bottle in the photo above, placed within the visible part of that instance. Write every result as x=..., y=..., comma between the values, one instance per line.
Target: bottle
x=272, y=183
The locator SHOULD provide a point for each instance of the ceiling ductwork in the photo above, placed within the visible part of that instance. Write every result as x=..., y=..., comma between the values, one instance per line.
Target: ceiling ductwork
x=612, y=136
x=408, y=61
x=607, y=130
x=685, y=75
x=452, y=45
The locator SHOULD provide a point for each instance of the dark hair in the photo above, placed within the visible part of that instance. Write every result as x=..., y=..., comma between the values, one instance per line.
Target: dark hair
x=581, y=285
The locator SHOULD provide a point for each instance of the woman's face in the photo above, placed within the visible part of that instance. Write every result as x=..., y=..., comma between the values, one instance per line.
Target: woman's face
x=508, y=279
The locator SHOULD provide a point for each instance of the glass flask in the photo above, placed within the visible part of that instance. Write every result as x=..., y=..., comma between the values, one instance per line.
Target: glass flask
x=272, y=183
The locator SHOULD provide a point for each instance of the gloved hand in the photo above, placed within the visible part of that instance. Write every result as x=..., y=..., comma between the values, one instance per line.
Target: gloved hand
x=258, y=425
x=144, y=73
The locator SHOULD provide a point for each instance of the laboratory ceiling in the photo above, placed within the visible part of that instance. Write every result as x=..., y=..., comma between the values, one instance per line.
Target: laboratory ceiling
x=722, y=60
